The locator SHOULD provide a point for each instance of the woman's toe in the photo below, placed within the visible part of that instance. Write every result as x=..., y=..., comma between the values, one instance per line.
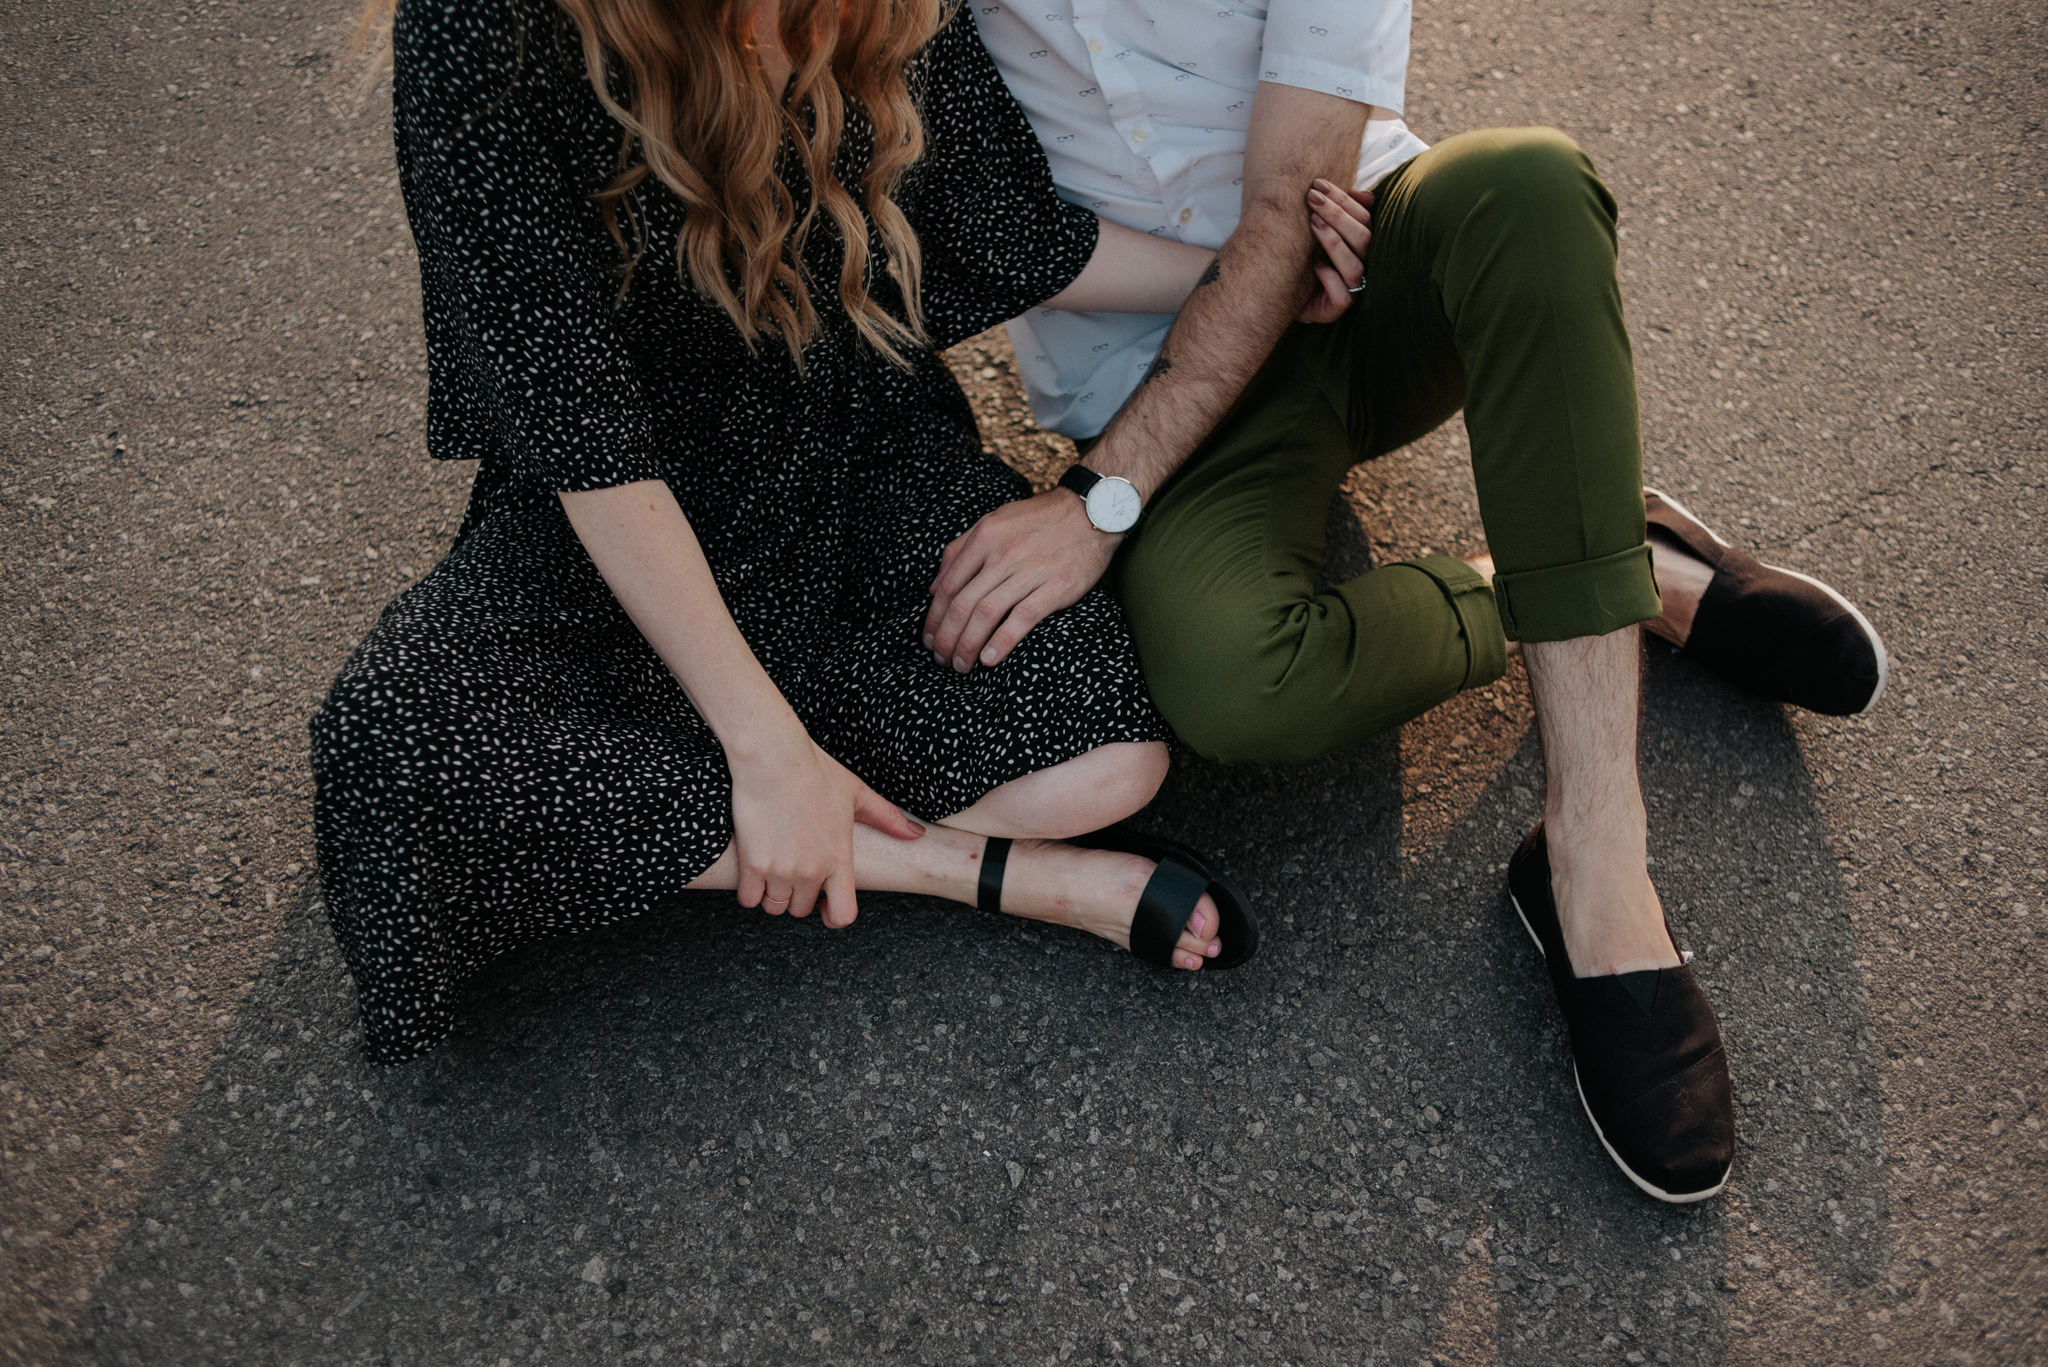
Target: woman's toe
x=1198, y=937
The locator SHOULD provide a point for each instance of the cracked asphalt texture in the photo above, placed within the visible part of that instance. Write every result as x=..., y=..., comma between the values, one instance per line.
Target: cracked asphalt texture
x=710, y=1137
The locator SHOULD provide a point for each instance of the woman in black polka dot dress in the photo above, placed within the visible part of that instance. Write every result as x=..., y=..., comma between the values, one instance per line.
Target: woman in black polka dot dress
x=677, y=641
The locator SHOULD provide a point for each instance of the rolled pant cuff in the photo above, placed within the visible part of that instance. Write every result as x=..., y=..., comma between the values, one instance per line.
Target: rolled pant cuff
x=1586, y=598
x=1472, y=598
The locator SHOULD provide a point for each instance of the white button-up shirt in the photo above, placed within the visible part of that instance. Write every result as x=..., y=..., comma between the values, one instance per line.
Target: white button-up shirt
x=1142, y=106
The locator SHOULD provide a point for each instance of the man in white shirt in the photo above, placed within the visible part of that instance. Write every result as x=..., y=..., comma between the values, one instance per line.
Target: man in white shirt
x=1214, y=440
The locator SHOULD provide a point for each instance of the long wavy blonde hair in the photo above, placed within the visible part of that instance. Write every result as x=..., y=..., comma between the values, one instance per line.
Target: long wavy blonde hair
x=699, y=115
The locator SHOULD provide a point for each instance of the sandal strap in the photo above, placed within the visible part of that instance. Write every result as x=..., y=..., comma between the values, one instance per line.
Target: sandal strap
x=988, y=889
x=1164, y=908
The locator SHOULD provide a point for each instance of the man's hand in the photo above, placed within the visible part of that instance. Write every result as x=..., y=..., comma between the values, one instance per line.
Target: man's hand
x=1028, y=559
x=1032, y=558
x=1009, y=571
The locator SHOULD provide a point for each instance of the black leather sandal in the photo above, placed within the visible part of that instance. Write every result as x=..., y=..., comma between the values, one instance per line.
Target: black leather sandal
x=1169, y=898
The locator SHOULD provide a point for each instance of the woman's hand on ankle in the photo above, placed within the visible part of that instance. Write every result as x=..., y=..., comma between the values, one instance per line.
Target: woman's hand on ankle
x=793, y=813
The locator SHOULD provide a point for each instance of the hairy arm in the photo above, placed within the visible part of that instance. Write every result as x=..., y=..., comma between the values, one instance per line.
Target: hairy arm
x=1262, y=279
x=1033, y=557
x=793, y=805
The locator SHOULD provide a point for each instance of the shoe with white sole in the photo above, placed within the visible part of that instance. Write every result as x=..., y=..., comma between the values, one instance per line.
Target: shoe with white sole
x=1646, y=1054
x=1776, y=632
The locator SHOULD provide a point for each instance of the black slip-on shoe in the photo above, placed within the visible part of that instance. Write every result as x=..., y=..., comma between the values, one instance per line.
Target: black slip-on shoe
x=1776, y=632
x=1646, y=1054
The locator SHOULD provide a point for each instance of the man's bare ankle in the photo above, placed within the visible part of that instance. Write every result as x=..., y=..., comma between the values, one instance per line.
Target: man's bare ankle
x=1580, y=834
x=1607, y=907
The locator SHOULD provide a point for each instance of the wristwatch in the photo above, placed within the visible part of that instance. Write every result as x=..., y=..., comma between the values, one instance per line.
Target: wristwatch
x=1113, y=502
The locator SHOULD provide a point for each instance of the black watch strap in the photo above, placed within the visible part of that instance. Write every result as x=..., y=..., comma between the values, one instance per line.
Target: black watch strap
x=1080, y=479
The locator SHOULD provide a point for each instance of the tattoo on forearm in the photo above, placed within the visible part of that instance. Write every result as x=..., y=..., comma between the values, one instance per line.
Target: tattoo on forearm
x=1160, y=366
x=1211, y=273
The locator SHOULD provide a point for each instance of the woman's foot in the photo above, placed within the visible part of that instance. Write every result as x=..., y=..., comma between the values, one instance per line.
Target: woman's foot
x=1097, y=891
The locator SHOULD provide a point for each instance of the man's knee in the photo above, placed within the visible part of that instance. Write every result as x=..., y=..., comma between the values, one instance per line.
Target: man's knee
x=1225, y=710
x=1250, y=720
x=1204, y=655
x=1525, y=173
x=1542, y=158
x=1273, y=688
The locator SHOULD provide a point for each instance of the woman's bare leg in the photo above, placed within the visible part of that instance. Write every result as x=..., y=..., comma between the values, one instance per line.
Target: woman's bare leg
x=1045, y=880
x=1088, y=792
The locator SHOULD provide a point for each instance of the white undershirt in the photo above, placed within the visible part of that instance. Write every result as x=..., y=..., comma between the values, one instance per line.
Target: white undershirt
x=1142, y=107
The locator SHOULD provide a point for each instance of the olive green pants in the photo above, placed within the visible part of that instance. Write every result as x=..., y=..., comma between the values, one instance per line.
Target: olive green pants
x=1491, y=286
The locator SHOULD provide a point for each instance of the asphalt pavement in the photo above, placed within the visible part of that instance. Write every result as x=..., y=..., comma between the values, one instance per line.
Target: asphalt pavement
x=939, y=1137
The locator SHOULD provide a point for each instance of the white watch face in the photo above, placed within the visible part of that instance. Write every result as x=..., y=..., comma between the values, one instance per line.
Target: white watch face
x=1114, y=505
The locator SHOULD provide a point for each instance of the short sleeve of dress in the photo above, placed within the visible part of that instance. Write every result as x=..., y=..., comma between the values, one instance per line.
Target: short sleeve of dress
x=518, y=273
x=997, y=238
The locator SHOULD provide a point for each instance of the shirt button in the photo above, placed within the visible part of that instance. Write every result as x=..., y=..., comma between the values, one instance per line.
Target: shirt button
x=1186, y=214
x=1095, y=45
x=1139, y=135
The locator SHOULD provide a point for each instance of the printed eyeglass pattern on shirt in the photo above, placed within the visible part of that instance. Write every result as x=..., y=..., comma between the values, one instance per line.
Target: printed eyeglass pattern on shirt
x=1142, y=107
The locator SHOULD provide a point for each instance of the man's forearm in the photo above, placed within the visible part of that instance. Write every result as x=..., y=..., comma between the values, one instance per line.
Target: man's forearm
x=1249, y=297
x=1033, y=557
x=1223, y=334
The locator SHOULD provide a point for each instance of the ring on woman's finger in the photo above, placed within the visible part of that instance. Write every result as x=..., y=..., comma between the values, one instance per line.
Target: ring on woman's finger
x=767, y=901
x=1358, y=288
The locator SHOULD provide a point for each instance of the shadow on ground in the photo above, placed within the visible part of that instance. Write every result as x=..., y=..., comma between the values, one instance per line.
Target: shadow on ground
x=942, y=1137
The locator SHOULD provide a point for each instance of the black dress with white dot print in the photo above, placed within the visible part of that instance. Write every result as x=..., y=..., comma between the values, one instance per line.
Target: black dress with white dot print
x=505, y=758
